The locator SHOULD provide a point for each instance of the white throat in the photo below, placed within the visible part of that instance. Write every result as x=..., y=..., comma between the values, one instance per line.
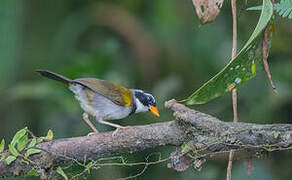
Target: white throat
x=140, y=106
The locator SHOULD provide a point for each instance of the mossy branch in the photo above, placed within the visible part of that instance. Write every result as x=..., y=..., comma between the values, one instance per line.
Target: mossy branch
x=199, y=136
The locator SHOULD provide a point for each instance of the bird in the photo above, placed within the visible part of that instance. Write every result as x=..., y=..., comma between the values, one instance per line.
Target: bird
x=104, y=100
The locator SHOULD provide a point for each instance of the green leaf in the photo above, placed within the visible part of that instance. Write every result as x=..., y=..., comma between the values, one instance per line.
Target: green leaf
x=185, y=147
x=2, y=157
x=284, y=8
x=269, y=149
x=255, y=8
x=32, y=143
x=18, y=135
x=32, y=172
x=62, y=173
x=241, y=69
x=88, y=166
x=10, y=159
x=22, y=143
x=13, y=150
x=49, y=136
x=2, y=145
x=40, y=139
x=31, y=152
x=276, y=134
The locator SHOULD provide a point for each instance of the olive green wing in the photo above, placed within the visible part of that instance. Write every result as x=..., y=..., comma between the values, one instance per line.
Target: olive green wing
x=117, y=94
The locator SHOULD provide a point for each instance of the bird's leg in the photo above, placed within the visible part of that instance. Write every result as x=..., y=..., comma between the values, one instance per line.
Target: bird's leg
x=113, y=125
x=85, y=118
x=110, y=124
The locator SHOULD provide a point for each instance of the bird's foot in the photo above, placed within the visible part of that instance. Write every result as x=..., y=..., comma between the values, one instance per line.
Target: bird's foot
x=119, y=128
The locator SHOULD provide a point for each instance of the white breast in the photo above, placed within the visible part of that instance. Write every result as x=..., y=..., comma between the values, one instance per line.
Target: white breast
x=101, y=108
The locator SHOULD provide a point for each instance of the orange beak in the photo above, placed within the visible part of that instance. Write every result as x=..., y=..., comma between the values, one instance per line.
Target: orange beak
x=154, y=110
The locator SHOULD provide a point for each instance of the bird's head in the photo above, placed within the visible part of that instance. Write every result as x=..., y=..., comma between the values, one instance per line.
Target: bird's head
x=144, y=102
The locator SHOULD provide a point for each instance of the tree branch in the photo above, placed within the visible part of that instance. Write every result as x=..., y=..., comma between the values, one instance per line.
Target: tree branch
x=203, y=134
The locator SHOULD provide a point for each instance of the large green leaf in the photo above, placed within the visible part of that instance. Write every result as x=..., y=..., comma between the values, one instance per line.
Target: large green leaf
x=241, y=69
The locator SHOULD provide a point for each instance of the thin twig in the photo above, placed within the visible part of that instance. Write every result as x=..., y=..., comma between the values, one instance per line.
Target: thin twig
x=234, y=105
x=265, y=58
x=123, y=163
x=234, y=92
x=229, y=167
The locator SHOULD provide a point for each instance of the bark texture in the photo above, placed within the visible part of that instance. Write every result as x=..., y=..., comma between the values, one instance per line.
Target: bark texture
x=199, y=135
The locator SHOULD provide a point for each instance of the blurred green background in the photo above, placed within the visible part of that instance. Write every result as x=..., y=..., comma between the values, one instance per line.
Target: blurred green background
x=155, y=45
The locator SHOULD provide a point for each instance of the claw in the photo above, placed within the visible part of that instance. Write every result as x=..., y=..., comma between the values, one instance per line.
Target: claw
x=117, y=130
x=92, y=133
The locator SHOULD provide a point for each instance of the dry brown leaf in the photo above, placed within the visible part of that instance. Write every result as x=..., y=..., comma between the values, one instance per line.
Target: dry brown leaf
x=207, y=10
x=265, y=50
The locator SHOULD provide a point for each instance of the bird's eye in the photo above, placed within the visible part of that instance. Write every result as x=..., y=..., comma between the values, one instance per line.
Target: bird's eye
x=152, y=101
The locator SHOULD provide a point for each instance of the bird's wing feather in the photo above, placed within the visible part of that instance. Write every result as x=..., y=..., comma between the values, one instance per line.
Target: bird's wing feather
x=117, y=94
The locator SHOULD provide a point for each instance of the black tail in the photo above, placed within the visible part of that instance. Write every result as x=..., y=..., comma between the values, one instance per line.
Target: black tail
x=54, y=76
